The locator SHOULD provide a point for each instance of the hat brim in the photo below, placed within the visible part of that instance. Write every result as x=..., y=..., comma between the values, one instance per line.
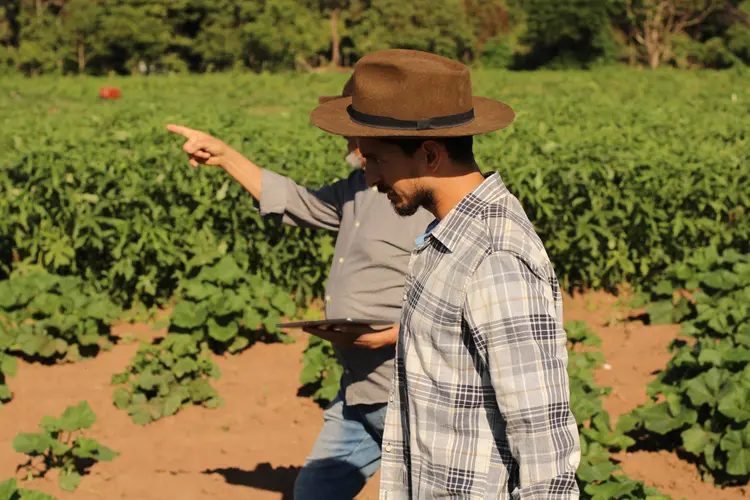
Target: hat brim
x=324, y=99
x=489, y=115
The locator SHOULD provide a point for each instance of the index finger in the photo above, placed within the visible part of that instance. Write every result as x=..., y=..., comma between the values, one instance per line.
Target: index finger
x=183, y=131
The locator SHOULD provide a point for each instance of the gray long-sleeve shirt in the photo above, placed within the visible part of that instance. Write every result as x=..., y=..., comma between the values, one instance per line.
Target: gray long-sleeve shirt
x=370, y=262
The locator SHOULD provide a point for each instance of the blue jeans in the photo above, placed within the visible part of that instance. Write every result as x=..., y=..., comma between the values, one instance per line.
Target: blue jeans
x=346, y=454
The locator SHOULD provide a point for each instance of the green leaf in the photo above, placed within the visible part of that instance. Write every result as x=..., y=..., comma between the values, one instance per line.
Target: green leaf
x=173, y=403
x=696, y=439
x=77, y=417
x=121, y=398
x=704, y=389
x=59, y=449
x=91, y=448
x=31, y=342
x=8, y=365
x=69, y=481
x=737, y=446
x=32, y=443
x=5, y=393
x=660, y=313
x=738, y=354
x=101, y=309
x=188, y=315
x=8, y=488
x=252, y=318
x=618, y=488
x=664, y=288
x=239, y=344
x=120, y=378
x=229, y=303
x=283, y=303
x=735, y=403
x=184, y=366
x=200, y=291
x=222, y=331
x=711, y=357
x=270, y=322
x=201, y=390
x=596, y=472
x=148, y=381
x=212, y=403
x=659, y=419
x=225, y=271
x=50, y=424
x=141, y=416
x=627, y=423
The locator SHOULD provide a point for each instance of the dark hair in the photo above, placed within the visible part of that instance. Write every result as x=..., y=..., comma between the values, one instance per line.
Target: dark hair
x=460, y=149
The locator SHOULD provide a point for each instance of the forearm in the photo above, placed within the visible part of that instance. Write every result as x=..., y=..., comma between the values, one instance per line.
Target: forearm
x=244, y=171
x=368, y=340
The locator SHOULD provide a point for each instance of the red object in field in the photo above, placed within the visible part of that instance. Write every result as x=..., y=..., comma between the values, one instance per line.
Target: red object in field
x=109, y=93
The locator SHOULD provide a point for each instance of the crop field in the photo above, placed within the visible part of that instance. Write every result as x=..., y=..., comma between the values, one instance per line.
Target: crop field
x=139, y=356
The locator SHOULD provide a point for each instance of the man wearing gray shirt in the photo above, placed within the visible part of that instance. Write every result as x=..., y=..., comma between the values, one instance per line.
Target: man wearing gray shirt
x=366, y=280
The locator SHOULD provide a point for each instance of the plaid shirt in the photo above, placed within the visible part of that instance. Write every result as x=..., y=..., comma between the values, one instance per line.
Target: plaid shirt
x=480, y=404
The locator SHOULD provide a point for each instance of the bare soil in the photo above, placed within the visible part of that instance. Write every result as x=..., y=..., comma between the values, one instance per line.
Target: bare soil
x=253, y=446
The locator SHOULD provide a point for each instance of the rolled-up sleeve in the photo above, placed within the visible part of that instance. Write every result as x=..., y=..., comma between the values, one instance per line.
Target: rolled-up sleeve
x=512, y=311
x=299, y=206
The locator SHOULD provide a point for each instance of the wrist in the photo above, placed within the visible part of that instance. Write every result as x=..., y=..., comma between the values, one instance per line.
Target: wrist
x=233, y=161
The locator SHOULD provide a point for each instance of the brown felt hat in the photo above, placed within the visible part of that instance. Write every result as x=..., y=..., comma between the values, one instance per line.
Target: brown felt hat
x=346, y=92
x=408, y=93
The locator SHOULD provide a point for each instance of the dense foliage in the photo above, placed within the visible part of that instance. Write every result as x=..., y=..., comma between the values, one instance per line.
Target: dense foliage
x=618, y=181
x=62, y=446
x=224, y=307
x=52, y=318
x=164, y=377
x=598, y=476
x=147, y=36
x=701, y=402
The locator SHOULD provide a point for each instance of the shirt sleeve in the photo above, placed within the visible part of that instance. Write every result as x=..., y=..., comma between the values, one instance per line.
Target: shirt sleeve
x=513, y=315
x=299, y=206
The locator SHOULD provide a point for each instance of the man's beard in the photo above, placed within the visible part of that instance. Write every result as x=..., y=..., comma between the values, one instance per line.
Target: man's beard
x=354, y=160
x=421, y=199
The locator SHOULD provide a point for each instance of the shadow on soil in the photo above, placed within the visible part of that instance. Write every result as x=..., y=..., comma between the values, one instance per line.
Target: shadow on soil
x=264, y=477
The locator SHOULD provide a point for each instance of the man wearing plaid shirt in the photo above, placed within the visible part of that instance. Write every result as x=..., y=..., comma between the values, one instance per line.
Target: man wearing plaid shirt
x=480, y=404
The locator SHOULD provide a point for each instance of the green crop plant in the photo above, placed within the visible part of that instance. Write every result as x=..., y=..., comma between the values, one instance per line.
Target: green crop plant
x=62, y=446
x=52, y=318
x=224, y=307
x=701, y=401
x=164, y=377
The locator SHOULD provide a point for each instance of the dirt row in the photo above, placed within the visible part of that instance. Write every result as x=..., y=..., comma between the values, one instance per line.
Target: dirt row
x=252, y=446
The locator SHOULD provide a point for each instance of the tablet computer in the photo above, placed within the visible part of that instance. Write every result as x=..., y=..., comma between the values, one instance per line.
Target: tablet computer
x=336, y=322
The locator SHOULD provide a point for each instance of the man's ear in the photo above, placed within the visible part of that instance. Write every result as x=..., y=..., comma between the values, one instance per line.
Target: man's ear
x=433, y=153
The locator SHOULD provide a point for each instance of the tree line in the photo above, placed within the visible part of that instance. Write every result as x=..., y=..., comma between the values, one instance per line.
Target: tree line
x=148, y=36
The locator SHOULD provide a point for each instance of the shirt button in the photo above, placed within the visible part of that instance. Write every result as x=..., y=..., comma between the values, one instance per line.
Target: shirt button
x=391, y=398
x=328, y=298
x=356, y=224
x=388, y=448
x=341, y=259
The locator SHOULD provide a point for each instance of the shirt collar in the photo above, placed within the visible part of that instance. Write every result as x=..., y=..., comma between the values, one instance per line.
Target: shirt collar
x=451, y=229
